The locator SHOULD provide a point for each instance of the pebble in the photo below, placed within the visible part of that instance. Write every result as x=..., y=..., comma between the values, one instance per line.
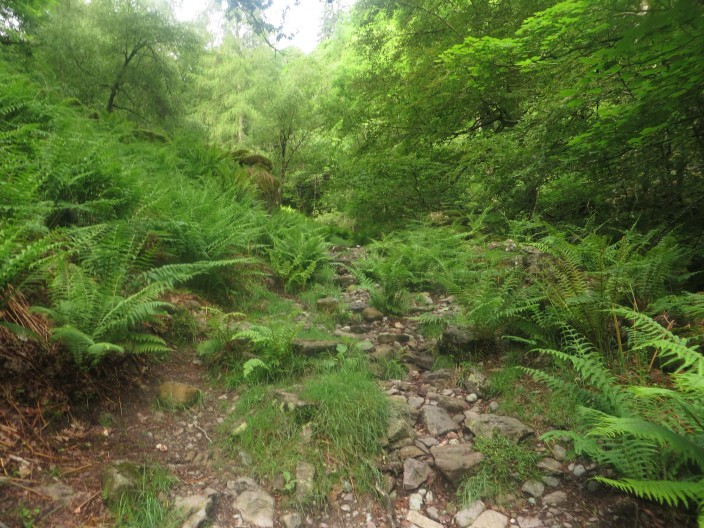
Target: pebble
x=472, y=398
x=415, y=501
x=494, y=406
x=579, y=470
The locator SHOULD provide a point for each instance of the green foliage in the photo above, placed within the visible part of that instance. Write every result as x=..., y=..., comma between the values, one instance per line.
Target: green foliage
x=652, y=435
x=147, y=507
x=274, y=345
x=505, y=467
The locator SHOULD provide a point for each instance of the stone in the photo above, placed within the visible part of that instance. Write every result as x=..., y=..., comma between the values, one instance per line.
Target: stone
x=421, y=521
x=456, y=339
x=415, y=402
x=359, y=306
x=493, y=406
x=195, y=509
x=387, y=338
x=468, y=515
x=579, y=470
x=487, y=425
x=370, y=314
x=365, y=346
x=415, y=501
x=555, y=498
x=119, y=478
x=255, y=505
x=550, y=466
x=433, y=513
x=452, y=405
x=428, y=441
x=58, y=492
x=423, y=360
x=410, y=452
x=490, y=519
x=472, y=397
x=398, y=429
x=176, y=394
x=441, y=378
x=550, y=481
x=290, y=401
x=292, y=520
x=415, y=473
x=529, y=522
x=456, y=462
x=328, y=304
x=305, y=479
x=533, y=488
x=383, y=352
x=314, y=347
x=475, y=382
x=436, y=420
x=559, y=452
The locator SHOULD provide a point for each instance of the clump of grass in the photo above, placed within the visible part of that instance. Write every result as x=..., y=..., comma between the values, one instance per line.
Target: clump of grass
x=147, y=507
x=505, y=467
x=390, y=369
x=338, y=432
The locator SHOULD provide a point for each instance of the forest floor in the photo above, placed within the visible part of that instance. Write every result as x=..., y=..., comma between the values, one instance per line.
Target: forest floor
x=52, y=477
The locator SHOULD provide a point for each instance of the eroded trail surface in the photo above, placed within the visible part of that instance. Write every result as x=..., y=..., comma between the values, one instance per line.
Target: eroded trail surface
x=429, y=450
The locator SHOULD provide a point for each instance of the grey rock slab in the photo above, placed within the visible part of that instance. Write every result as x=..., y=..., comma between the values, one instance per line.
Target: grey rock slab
x=456, y=461
x=442, y=378
x=421, y=521
x=398, y=429
x=365, y=346
x=428, y=441
x=383, y=352
x=423, y=360
x=550, y=466
x=415, y=402
x=533, y=488
x=410, y=452
x=415, y=473
x=490, y=519
x=359, y=306
x=292, y=520
x=487, y=425
x=555, y=498
x=475, y=382
x=58, y=492
x=551, y=481
x=328, y=304
x=452, y=405
x=314, y=347
x=195, y=508
x=468, y=515
x=559, y=452
x=255, y=505
x=437, y=420
x=305, y=479
x=529, y=522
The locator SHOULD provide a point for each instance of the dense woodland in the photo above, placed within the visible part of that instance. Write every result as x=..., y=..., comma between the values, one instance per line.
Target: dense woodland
x=541, y=161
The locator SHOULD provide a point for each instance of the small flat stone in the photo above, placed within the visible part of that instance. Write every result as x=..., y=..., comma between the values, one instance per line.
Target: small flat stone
x=410, y=452
x=456, y=462
x=195, y=508
x=451, y=404
x=468, y=515
x=328, y=304
x=491, y=519
x=421, y=521
x=559, y=452
x=555, y=498
x=305, y=479
x=550, y=466
x=415, y=473
x=533, y=488
x=437, y=420
x=415, y=501
x=529, y=522
x=553, y=482
x=370, y=314
x=487, y=425
x=579, y=470
x=292, y=520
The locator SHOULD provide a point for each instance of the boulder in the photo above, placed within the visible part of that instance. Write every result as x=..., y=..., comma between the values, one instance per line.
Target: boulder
x=255, y=505
x=370, y=314
x=487, y=425
x=328, y=304
x=176, y=394
x=415, y=473
x=119, y=478
x=436, y=420
x=456, y=462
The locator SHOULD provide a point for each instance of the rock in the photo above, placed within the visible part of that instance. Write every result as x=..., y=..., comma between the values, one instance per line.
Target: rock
x=533, y=488
x=415, y=472
x=365, y=346
x=550, y=466
x=456, y=461
x=456, y=339
x=383, y=353
x=491, y=519
x=328, y=304
x=472, y=397
x=314, y=347
x=579, y=470
x=428, y=441
x=290, y=401
x=119, y=478
x=292, y=520
x=452, y=405
x=550, y=481
x=433, y=513
x=442, y=378
x=422, y=360
x=436, y=420
x=398, y=429
x=468, y=515
x=370, y=314
x=487, y=425
x=386, y=338
x=414, y=402
x=555, y=498
x=493, y=406
x=195, y=508
x=559, y=452
x=359, y=306
x=58, y=492
x=255, y=505
x=529, y=522
x=421, y=521
x=415, y=501
x=475, y=382
x=410, y=452
x=305, y=480
x=175, y=394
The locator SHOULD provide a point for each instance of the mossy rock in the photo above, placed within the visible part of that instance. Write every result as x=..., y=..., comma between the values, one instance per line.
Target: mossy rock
x=237, y=155
x=254, y=160
x=120, y=478
x=175, y=394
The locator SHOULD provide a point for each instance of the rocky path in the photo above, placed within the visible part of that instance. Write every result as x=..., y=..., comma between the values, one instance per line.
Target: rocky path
x=430, y=449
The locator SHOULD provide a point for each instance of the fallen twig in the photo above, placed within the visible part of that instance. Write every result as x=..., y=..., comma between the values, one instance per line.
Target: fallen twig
x=78, y=509
x=202, y=431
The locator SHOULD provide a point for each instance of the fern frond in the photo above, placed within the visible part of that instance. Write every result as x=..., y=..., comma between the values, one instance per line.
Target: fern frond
x=662, y=491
